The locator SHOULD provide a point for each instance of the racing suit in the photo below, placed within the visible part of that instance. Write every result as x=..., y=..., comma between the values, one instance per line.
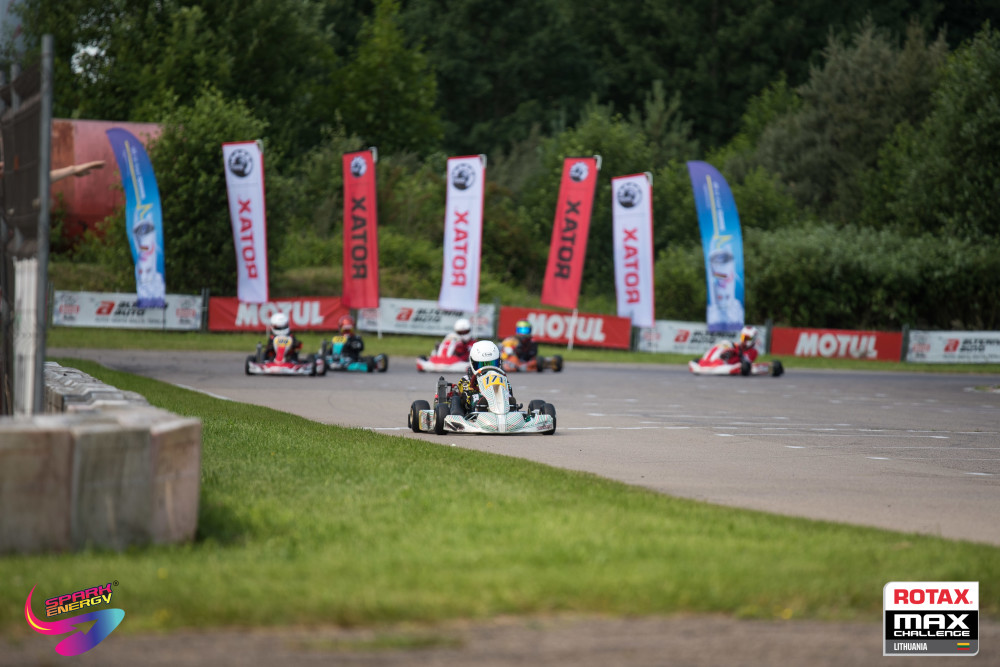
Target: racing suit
x=738, y=352
x=293, y=349
x=468, y=389
x=352, y=346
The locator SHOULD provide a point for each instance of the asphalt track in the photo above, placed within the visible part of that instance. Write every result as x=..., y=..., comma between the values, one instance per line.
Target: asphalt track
x=912, y=452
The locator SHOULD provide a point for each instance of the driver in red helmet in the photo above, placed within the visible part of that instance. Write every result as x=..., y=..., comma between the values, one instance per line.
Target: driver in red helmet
x=352, y=346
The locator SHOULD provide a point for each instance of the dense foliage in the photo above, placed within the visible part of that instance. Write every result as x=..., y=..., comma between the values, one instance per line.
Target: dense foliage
x=861, y=141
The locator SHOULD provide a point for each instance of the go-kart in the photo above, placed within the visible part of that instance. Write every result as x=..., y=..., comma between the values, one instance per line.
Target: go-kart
x=331, y=352
x=437, y=363
x=495, y=410
x=512, y=364
x=721, y=359
x=285, y=362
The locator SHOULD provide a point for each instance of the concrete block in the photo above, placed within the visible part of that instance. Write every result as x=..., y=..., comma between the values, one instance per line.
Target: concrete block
x=176, y=452
x=36, y=466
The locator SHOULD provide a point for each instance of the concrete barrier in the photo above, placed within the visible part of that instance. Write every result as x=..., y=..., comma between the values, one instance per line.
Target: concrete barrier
x=103, y=469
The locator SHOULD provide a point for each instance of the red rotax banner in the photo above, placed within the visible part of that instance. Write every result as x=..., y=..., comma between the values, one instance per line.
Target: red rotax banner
x=837, y=344
x=319, y=313
x=568, y=247
x=549, y=326
x=360, y=285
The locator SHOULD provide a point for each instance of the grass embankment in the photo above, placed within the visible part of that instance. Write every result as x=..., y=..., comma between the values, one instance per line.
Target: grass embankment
x=305, y=523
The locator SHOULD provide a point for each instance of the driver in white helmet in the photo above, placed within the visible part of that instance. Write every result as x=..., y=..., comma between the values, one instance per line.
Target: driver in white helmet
x=457, y=342
x=278, y=326
x=484, y=355
x=744, y=347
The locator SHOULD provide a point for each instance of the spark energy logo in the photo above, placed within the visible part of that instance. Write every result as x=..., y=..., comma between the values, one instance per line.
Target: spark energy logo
x=88, y=629
x=931, y=618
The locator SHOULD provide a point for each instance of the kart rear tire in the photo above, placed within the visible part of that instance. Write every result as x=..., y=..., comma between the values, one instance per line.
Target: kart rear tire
x=441, y=410
x=535, y=404
x=413, y=419
x=549, y=409
x=777, y=369
x=455, y=406
x=540, y=363
x=746, y=367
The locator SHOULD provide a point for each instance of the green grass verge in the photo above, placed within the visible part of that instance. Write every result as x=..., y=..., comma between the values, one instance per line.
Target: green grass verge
x=303, y=523
x=412, y=346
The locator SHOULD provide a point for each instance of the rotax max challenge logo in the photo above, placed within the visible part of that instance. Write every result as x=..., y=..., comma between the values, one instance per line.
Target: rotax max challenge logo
x=88, y=629
x=930, y=618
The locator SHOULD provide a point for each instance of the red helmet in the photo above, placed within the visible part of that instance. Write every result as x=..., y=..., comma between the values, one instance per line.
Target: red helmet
x=346, y=324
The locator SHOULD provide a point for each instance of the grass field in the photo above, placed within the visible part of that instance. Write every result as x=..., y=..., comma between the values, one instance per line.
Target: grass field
x=303, y=523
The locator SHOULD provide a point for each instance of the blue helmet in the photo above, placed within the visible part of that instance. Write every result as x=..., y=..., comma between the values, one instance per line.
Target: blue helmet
x=523, y=328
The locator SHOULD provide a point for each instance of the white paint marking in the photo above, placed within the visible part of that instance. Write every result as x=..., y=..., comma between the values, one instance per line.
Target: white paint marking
x=794, y=447
x=878, y=458
x=980, y=474
x=202, y=391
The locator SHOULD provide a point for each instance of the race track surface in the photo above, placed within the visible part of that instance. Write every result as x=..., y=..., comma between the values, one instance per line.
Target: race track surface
x=912, y=452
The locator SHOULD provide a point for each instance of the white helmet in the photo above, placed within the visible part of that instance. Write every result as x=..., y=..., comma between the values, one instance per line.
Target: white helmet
x=279, y=324
x=748, y=336
x=484, y=354
x=463, y=328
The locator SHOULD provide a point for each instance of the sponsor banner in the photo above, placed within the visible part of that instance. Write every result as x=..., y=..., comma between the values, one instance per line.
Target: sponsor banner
x=930, y=618
x=143, y=217
x=954, y=347
x=632, y=213
x=244, y=163
x=687, y=337
x=414, y=316
x=549, y=326
x=113, y=310
x=360, y=285
x=463, y=233
x=304, y=313
x=837, y=344
x=570, y=232
x=722, y=244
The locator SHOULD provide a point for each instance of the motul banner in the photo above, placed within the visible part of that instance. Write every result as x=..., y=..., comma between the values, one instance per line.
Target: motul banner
x=114, y=310
x=244, y=163
x=954, y=347
x=416, y=316
x=687, y=337
x=837, y=344
x=463, y=233
x=570, y=231
x=632, y=229
x=360, y=286
x=548, y=326
x=304, y=314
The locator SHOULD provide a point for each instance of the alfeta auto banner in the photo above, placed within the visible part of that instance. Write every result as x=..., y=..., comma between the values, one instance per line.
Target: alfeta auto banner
x=686, y=337
x=116, y=310
x=837, y=344
x=954, y=347
x=415, y=316
x=548, y=326
x=319, y=313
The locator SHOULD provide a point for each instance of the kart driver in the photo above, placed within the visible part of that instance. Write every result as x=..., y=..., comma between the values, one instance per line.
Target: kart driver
x=457, y=342
x=279, y=327
x=352, y=346
x=484, y=355
x=525, y=348
x=743, y=347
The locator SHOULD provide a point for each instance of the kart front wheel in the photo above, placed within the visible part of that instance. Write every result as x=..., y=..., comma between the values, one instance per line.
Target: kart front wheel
x=777, y=369
x=536, y=404
x=550, y=410
x=381, y=363
x=557, y=363
x=746, y=367
x=413, y=420
x=441, y=410
x=246, y=366
x=455, y=407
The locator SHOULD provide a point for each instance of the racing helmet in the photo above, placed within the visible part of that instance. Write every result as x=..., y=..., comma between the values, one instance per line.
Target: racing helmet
x=748, y=336
x=523, y=328
x=483, y=354
x=346, y=324
x=279, y=324
x=463, y=328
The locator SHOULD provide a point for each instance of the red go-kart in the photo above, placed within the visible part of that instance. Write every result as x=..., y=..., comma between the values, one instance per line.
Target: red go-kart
x=722, y=359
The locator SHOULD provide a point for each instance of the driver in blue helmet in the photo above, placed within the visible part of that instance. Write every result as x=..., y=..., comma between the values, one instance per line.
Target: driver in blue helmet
x=521, y=344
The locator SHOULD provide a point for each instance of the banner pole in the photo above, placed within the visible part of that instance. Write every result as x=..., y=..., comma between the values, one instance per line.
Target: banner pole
x=572, y=329
x=378, y=323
